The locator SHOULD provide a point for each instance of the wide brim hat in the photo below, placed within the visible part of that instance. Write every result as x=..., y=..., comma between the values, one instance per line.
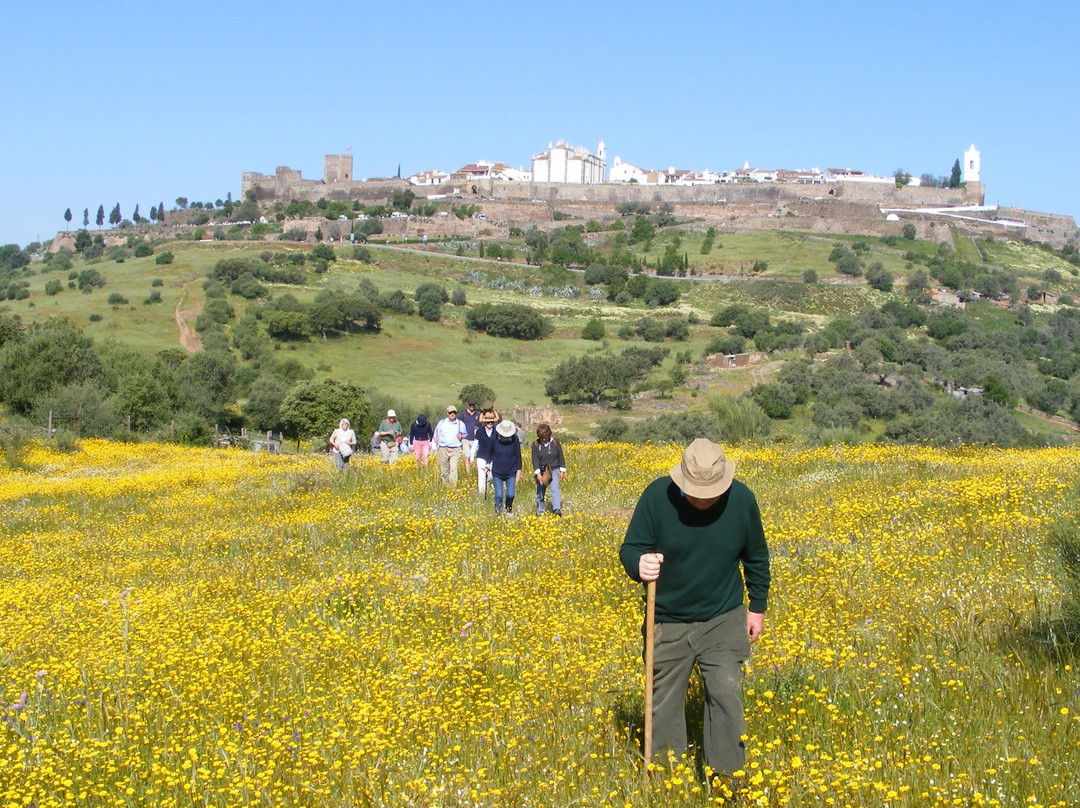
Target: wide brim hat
x=704, y=470
x=506, y=428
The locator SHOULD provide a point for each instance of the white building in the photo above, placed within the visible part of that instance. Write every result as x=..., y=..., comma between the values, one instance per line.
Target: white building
x=482, y=169
x=851, y=175
x=626, y=172
x=429, y=178
x=971, y=164
x=562, y=163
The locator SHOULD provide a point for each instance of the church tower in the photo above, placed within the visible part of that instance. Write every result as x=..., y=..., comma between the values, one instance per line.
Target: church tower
x=971, y=165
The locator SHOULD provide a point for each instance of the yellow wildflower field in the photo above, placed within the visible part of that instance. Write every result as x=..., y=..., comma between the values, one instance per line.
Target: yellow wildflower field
x=196, y=627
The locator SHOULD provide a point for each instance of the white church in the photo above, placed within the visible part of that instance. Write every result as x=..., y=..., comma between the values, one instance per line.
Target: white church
x=563, y=163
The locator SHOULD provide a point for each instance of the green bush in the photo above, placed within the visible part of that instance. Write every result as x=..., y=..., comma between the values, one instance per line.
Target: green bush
x=594, y=329
x=143, y=250
x=508, y=320
x=163, y=258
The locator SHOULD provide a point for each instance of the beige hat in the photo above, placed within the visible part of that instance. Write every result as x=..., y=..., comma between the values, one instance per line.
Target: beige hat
x=506, y=428
x=704, y=470
x=451, y=408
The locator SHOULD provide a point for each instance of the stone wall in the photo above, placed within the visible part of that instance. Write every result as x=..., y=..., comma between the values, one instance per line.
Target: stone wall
x=287, y=185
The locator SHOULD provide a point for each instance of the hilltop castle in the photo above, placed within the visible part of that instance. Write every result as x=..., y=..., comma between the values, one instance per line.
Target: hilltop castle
x=566, y=175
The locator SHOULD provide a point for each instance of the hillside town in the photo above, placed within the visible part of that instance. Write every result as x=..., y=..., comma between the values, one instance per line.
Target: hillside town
x=576, y=165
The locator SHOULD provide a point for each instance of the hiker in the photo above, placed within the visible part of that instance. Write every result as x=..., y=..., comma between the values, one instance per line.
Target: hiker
x=420, y=434
x=342, y=444
x=449, y=433
x=505, y=466
x=698, y=534
x=389, y=433
x=483, y=451
x=471, y=418
x=549, y=467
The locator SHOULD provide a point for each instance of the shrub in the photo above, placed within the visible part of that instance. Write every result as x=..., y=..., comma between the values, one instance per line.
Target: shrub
x=163, y=258
x=153, y=297
x=53, y=287
x=594, y=329
x=248, y=287
x=508, y=320
x=117, y=299
x=324, y=251
x=90, y=279
x=143, y=250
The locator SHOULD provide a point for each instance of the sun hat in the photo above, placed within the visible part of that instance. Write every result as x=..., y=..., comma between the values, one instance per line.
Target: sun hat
x=506, y=428
x=391, y=414
x=704, y=470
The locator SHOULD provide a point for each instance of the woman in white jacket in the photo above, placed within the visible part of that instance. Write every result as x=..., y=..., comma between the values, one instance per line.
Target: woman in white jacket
x=343, y=444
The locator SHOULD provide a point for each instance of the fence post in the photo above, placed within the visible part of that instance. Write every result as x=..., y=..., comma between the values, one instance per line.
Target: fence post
x=50, y=423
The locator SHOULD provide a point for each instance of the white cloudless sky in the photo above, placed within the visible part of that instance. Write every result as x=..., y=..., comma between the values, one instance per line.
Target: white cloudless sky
x=140, y=103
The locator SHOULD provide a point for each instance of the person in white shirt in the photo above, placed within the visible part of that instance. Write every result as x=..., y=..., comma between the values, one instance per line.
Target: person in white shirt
x=342, y=444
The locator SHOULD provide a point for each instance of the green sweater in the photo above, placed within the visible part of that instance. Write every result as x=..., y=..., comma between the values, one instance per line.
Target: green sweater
x=703, y=552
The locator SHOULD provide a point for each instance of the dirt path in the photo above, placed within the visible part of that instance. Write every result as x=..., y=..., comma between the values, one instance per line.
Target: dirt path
x=189, y=340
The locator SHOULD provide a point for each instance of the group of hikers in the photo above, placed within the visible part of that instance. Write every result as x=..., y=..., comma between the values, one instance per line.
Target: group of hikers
x=478, y=435
x=695, y=541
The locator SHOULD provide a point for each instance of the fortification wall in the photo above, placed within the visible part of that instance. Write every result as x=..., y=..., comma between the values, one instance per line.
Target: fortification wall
x=287, y=185
x=742, y=192
x=832, y=208
x=1052, y=228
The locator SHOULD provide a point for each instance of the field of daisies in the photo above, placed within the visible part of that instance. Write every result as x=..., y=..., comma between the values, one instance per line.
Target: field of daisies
x=183, y=627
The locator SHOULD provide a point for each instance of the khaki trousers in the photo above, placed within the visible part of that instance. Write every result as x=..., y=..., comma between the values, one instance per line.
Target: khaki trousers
x=718, y=648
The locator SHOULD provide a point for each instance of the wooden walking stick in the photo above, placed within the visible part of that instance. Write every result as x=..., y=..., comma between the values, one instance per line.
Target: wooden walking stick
x=650, y=626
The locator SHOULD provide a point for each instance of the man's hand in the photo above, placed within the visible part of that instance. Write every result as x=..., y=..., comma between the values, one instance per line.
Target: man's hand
x=755, y=624
x=649, y=566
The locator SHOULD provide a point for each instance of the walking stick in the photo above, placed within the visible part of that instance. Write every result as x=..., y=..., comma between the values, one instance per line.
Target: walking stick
x=650, y=625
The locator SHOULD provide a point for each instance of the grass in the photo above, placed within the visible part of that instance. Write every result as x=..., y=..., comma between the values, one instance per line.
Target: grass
x=427, y=362
x=228, y=628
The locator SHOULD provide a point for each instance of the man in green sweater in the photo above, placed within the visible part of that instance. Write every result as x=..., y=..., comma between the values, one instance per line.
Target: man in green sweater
x=698, y=534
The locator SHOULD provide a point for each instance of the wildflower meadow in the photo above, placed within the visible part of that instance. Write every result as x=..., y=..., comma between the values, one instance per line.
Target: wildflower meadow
x=185, y=627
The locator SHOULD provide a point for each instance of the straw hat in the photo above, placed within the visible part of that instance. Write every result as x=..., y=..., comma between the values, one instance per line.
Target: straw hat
x=506, y=428
x=704, y=470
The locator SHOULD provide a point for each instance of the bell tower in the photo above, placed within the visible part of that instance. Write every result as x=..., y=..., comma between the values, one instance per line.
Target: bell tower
x=971, y=165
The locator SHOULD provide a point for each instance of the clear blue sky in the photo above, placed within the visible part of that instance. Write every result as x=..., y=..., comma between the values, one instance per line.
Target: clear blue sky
x=127, y=103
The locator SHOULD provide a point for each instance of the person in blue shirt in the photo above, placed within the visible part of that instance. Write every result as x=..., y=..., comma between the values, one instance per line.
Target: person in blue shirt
x=449, y=434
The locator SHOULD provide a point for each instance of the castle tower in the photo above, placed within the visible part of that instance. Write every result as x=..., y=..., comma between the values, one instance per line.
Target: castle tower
x=337, y=168
x=971, y=165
